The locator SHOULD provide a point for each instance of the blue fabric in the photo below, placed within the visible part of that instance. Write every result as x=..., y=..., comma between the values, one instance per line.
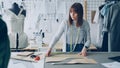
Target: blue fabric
x=78, y=47
x=105, y=9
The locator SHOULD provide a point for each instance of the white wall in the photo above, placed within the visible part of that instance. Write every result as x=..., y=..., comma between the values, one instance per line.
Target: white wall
x=39, y=10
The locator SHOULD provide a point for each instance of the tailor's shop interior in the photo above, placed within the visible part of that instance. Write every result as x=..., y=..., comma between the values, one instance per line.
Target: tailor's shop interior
x=59, y=33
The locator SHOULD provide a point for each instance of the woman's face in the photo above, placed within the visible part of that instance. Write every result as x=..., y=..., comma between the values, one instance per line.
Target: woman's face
x=73, y=14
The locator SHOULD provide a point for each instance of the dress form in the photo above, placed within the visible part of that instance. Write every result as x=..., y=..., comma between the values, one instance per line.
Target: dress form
x=16, y=23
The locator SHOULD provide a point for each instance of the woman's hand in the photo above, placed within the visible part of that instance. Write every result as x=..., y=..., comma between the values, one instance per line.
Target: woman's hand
x=48, y=52
x=83, y=52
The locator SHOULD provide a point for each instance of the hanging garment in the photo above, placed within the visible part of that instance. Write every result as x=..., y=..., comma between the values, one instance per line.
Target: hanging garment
x=113, y=20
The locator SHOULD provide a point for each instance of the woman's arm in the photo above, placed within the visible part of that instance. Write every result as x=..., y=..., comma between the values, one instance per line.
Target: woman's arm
x=56, y=37
x=88, y=42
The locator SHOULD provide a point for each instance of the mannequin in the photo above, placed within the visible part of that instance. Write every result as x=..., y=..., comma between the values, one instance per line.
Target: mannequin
x=16, y=17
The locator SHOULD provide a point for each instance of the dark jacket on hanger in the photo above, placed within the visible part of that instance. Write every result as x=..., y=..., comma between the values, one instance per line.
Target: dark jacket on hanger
x=113, y=20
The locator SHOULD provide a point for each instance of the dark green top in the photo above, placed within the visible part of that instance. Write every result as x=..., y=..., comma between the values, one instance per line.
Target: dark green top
x=4, y=45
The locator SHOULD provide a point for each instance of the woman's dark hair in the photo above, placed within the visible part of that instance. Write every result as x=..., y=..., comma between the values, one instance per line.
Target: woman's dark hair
x=78, y=8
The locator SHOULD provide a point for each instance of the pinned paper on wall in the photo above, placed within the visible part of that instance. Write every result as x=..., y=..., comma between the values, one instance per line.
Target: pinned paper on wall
x=61, y=7
x=51, y=8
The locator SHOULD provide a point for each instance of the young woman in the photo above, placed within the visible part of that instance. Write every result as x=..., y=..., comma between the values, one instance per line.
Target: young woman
x=76, y=30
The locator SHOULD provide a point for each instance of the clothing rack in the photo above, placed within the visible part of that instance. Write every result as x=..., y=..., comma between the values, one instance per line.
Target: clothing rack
x=110, y=45
x=111, y=0
x=106, y=38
